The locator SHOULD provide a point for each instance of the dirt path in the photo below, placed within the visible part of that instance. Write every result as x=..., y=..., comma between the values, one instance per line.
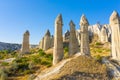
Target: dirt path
x=8, y=60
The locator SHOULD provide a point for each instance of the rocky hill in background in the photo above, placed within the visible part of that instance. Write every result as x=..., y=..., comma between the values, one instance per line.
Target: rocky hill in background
x=11, y=46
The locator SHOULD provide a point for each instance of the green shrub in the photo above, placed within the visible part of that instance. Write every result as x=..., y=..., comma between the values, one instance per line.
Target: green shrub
x=3, y=75
x=49, y=56
x=2, y=70
x=19, y=56
x=23, y=66
x=45, y=61
x=98, y=43
x=66, y=49
x=20, y=64
x=31, y=65
x=27, y=71
x=49, y=65
x=14, y=54
x=4, y=63
x=66, y=55
x=14, y=66
x=98, y=58
x=36, y=60
x=41, y=52
x=21, y=60
x=99, y=50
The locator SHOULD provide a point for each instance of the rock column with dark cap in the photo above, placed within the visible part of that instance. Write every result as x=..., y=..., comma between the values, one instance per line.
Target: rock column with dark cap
x=25, y=44
x=58, y=41
x=85, y=49
x=47, y=41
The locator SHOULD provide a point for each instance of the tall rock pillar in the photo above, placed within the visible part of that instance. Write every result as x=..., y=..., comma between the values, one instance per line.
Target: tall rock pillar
x=58, y=41
x=25, y=44
x=115, y=28
x=41, y=44
x=85, y=49
x=47, y=41
x=73, y=42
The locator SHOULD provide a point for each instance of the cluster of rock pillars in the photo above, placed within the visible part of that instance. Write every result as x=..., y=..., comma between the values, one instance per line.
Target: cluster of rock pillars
x=106, y=33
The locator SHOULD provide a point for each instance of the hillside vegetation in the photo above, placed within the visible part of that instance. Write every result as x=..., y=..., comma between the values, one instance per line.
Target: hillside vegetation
x=30, y=65
x=25, y=65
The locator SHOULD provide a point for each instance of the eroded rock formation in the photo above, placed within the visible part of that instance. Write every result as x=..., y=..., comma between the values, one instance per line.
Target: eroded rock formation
x=115, y=37
x=47, y=41
x=73, y=43
x=58, y=41
x=25, y=44
x=84, y=48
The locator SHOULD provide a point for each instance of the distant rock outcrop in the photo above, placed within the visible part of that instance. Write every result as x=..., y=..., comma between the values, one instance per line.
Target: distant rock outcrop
x=95, y=30
x=9, y=46
x=66, y=36
x=12, y=46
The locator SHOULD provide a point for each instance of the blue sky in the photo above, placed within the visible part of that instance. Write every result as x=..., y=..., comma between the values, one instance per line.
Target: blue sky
x=17, y=16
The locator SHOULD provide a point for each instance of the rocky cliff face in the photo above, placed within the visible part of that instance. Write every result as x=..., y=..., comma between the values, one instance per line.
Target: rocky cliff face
x=10, y=46
x=96, y=30
x=93, y=30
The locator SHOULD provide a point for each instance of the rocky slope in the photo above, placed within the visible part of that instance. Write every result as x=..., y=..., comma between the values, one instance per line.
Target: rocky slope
x=76, y=68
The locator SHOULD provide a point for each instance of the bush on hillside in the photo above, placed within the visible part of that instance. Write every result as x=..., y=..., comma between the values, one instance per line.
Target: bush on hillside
x=3, y=74
x=41, y=52
x=98, y=58
x=4, y=63
x=66, y=49
x=98, y=43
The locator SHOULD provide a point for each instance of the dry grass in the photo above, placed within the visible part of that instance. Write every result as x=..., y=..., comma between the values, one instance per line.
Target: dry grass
x=99, y=49
x=49, y=51
x=82, y=64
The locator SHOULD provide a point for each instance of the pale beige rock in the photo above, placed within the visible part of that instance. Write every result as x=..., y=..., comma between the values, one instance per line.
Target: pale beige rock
x=58, y=41
x=115, y=28
x=73, y=42
x=108, y=30
x=41, y=44
x=66, y=36
x=78, y=36
x=94, y=30
x=25, y=44
x=47, y=41
x=52, y=41
x=103, y=35
x=85, y=49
